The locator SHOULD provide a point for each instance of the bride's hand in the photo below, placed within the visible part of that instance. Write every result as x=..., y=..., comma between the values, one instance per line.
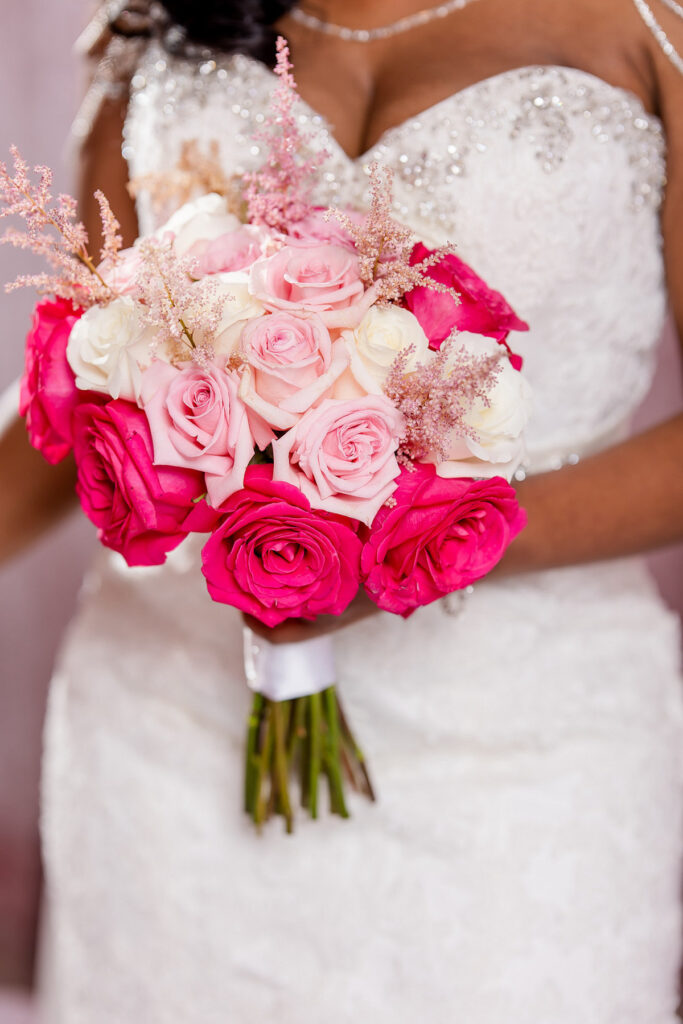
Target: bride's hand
x=295, y=630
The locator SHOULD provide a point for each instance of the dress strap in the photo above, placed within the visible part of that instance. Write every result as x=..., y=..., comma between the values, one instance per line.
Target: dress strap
x=116, y=37
x=658, y=32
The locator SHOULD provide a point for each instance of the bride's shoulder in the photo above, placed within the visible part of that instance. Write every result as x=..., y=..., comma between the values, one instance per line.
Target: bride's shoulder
x=637, y=44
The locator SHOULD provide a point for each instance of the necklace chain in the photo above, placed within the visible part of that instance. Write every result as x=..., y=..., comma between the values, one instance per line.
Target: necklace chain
x=368, y=35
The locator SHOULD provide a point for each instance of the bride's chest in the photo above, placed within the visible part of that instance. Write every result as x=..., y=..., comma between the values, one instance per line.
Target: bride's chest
x=531, y=139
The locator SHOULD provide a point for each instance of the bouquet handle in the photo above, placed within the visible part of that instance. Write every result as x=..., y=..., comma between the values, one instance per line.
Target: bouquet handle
x=297, y=727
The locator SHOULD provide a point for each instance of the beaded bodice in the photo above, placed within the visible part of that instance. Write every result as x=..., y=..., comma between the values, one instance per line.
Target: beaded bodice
x=548, y=179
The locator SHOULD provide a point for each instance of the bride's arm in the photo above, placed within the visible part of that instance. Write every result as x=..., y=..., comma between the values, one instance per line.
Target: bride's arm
x=629, y=498
x=35, y=495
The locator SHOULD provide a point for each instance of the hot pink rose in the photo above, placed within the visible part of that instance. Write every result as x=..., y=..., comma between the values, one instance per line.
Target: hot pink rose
x=342, y=455
x=198, y=421
x=481, y=310
x=235, y=250
x=442, y=535
x=321, y=278
x=291, y=362
x=140, y=509
x=48, y=394
x=272, y=557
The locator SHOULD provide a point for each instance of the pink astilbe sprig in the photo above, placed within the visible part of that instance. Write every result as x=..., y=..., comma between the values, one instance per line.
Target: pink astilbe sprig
x=184, y=312
x=195, y=173
x=53, y=231
x=384, y=246
x=112, y=242
x=278, y=193
x=435, y=397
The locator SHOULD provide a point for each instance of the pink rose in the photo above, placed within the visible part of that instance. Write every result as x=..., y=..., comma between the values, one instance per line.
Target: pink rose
x=481, y=310
x=321, y=278
x=198, y=421
x=441, y=535
x=342, y=455
x=140, y=509
x=122, y=273
x=48, y=394
x=291, y=362
x=272, y=557
x=235, y=250
x=316, y=228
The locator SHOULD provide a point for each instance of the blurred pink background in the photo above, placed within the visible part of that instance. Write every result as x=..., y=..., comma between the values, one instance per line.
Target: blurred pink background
x=41, y=83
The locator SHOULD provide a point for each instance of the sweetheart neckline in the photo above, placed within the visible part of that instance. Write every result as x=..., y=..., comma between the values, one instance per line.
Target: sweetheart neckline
x=458, y=96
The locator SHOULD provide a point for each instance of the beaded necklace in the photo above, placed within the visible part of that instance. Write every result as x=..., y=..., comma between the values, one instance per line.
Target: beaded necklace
x=369, y=35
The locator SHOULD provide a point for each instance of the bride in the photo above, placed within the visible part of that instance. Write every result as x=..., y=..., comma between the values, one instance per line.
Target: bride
x=523, y=860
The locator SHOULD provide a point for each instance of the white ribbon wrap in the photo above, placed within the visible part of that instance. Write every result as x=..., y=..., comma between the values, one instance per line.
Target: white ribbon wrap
x=285, y=671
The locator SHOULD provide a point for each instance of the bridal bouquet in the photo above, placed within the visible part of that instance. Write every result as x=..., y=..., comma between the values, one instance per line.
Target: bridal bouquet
x=331, y=401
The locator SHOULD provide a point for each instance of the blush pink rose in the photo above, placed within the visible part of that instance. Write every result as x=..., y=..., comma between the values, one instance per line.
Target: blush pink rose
x=272, y=557
x=290, y=363
x=198, y=421
x=481, y=310
x=342, y=455
x=441, y=535
x=235, y=250
x=319, y=277
x=140, y=509
x=316, y=228
x=122, y=274
x=48, y=393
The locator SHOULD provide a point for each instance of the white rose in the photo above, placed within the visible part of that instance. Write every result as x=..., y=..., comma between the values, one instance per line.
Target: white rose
x=107, y=348
x=382, y=334
x=239, y=306
x=200, y=220
x=499, y=446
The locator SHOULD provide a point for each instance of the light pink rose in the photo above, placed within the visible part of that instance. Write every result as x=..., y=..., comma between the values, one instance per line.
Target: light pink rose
x=440, y=536
x=122, y=274
x=316, y=228
x=235, y=250
x=198, y=421
x=48, y=394
x=290, y=363
x=342, y=455
x=272, y=557
x=321, y=278
x=140, y=510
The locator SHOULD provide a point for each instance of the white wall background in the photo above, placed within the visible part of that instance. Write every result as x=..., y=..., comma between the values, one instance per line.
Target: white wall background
x=40, y=84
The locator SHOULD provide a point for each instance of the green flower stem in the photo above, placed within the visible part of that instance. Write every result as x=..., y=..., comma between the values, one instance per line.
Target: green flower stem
x=332, y=758
x=297, y=727
x=305, y=756
x=315, y=703
x=251, y=772
x=261, y=806
x=350, y=741
x=280, y=717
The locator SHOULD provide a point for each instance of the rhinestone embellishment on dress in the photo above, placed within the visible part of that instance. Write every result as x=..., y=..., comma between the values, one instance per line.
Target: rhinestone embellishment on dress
x=539, y=108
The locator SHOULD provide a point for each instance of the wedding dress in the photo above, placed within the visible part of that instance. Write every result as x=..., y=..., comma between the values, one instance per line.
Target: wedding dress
x=522, y=862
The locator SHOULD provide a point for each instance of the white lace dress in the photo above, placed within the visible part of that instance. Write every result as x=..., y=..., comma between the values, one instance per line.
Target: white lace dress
x=523, y=861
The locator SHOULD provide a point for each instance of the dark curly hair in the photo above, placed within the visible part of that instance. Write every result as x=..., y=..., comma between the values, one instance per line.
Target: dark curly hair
x=232, y=26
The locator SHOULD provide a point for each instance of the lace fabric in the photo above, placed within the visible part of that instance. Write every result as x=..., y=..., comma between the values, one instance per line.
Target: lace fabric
x=523, y=860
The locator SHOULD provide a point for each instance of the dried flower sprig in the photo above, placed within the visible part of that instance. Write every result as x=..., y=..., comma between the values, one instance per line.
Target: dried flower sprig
x=384, y=246
x=184, y=312
x=435, y=397
x=278, y=194
x=53, y=232
x=195, y=173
